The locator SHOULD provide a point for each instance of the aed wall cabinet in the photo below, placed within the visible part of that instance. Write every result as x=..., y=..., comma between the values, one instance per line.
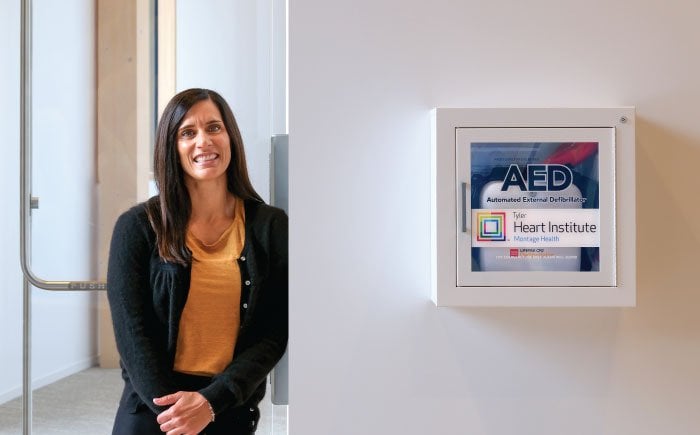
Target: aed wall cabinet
x=533, y=207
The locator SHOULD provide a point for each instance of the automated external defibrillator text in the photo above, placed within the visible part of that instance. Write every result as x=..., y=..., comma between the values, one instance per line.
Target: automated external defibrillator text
x=545, y=199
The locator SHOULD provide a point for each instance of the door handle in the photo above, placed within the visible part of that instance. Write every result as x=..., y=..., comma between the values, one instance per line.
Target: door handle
x=465, y=222
x=27, y=202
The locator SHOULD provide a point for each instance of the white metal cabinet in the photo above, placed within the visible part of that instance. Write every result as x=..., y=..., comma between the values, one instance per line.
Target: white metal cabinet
x=533, y=207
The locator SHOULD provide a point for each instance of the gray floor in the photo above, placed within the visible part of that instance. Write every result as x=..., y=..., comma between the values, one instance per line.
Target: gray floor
x=85, y=403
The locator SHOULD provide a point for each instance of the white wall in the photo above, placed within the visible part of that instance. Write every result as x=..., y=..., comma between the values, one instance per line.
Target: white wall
x=63, y=326
x=370, y=353
x=227, y=46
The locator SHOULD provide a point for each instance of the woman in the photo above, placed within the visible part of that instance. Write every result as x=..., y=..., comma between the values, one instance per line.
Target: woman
x=197, y=282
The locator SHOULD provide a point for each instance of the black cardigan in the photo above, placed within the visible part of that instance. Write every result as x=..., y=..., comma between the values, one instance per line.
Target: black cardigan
x=147, y=296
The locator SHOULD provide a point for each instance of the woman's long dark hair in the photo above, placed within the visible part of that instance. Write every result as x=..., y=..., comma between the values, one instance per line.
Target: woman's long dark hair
x=169, y=212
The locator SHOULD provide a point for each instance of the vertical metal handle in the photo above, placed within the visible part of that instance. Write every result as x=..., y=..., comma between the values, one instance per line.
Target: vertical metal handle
x=25, y=129
x=26, y=358
x=465, y=227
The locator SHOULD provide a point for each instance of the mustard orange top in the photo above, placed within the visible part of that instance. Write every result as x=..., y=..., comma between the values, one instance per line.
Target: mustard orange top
x=211, y=317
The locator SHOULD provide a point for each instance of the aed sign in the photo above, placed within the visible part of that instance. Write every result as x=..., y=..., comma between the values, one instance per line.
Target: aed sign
x=536, y=205
x=534, y=194
x=539, y=178
x=533, y=207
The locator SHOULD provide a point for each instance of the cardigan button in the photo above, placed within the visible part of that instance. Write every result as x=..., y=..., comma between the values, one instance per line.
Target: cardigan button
x=247, y=282
x=245, y=306
x=242, y=257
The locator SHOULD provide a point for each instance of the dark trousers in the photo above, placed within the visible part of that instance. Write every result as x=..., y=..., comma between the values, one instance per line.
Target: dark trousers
x=143, y=422
x=138, y=419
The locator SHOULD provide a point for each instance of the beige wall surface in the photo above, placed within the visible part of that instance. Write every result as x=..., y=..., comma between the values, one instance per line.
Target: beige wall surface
x=124, y=129
x=116, y=139
x=369, y=353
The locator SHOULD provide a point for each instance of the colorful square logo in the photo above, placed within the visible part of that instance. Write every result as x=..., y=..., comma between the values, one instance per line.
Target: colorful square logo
x=491, y=226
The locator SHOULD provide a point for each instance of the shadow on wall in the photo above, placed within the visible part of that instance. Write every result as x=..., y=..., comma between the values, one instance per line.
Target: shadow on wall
x=668, y=204
x=552, y=351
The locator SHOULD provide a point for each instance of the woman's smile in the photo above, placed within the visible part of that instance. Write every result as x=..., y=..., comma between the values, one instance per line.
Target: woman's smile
x=203, y=158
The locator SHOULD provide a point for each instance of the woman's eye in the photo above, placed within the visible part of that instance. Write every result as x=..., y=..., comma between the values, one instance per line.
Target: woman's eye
x=214, y=127
x=187, y=133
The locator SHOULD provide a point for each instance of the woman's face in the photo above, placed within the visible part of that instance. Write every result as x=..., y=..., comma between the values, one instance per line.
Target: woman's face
x=203, y=143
